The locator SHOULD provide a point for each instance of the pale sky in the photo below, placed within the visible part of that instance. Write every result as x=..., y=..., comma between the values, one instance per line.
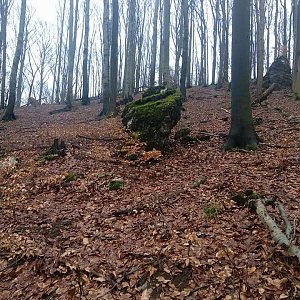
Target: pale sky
x=45, y=9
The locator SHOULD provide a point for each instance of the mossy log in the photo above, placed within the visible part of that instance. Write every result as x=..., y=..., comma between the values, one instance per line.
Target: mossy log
x=153, y=117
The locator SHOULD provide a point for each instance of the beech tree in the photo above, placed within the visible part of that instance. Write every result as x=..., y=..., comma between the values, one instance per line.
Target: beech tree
x=183, y=74
x=242, y=133
x=9, y=112
x=296, y=71
x=105, y=59
x=85, y=77
x=166, y=44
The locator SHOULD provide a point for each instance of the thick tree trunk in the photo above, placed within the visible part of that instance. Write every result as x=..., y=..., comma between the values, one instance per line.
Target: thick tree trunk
x=9, y=112
x=242, y=133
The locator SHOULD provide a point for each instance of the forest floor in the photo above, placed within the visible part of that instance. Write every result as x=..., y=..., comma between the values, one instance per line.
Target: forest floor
x=171, y=232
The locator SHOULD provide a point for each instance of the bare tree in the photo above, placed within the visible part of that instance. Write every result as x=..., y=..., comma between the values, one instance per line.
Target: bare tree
x=296, y=71
x=166, y=44
x=85, y=77
x=185, y=50
x=261, y=48
x=9, y=112
x=154, y=44
x=242, y=133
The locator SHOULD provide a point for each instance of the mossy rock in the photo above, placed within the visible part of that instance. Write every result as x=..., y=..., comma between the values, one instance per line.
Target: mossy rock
x=153, y=117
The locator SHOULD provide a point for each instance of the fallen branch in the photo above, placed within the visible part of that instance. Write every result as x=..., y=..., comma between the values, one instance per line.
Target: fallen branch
x=277, y=234
x=266, y=93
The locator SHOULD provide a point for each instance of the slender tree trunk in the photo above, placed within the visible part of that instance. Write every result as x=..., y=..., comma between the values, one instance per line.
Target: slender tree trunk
x=242, y=133
x=105, y=62
x=154, y=44
x=114, y=57
x=166, y=44
x=276, y=30
x=71, y=55
x=9, y=112
x=4, y=13
x=85, y=77
x=60, y=45
x=261, y=48
x=296, y=71
x=185, y=53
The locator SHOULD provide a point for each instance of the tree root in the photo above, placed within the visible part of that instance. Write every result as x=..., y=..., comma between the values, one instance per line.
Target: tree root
x=284, y=239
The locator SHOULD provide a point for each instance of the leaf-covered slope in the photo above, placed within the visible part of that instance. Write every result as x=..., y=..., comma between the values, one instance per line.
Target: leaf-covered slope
x=60, y=239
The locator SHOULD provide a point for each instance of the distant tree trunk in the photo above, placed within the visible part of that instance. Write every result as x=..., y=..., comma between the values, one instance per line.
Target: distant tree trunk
x=296, y=71
x=105, y=61
x=215, y=12
x=166, y=43
x=9, y=112
x=191, y=38
x=185, y=50
x=60, y=45
x=154, y=45
x=21, y=70
x=284, y=34
x=4, y=13
x=85, y=77
x=242, y=133
x=276, y=30
x=114, y=57
x=140, y=38
x=71, y=55
x=261, y=48
x=130, y=52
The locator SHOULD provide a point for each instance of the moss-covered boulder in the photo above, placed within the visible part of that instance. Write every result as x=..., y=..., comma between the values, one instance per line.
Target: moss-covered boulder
x=154, y=116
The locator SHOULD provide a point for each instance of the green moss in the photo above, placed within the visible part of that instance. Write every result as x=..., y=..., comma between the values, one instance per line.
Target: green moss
x=116, y=184
x=251, y=147
x=72, y=177
x=48, y=157
x=296, y=97
x=211, y=210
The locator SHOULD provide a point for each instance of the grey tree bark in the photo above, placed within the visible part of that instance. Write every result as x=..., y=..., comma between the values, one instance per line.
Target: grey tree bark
x=85, y=78
x=154, y=44
x=166, y=44
x=105, y=61
x=9, y=112
x=185, y=50
x=242, y=133
x=114, y=57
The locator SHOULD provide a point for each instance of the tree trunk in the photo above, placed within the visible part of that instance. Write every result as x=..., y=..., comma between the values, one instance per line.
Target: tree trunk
x=85, y=77
x=296, y=71
x=71, y=55
x=114, y=57
x=154, y=45
x=105, y=61
x=166, y=44
x=9, y=112
x=4, y=13
x=242, y=133
x=60, y=45
x=261, y=48
x=185, y=50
